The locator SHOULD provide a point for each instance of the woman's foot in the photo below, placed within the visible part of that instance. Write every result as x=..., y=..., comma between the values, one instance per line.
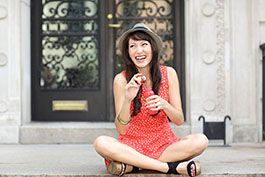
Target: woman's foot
x=191, y=168
x=119, y=169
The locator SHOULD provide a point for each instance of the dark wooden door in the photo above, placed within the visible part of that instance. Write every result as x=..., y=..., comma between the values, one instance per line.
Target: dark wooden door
x=68, y=61
x=74, y=55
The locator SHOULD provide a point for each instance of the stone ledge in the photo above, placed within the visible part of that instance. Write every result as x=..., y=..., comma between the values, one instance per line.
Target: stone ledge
x=64, y=133
x=137, y=175
x=82, y=161
x=73, y=132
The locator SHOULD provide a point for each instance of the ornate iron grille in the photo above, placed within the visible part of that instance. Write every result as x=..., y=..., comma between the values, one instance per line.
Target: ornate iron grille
x=70, y=44
x=157, y=14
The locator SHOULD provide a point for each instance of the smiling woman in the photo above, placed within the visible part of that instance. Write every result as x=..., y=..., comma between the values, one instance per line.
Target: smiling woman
x=140, y=52
x=146, y=94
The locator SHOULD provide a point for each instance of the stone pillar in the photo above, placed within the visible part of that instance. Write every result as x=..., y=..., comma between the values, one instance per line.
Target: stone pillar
x=10, y=96
x=223, y=65
x=26, y=58
x=208, y=67
x=244, y=66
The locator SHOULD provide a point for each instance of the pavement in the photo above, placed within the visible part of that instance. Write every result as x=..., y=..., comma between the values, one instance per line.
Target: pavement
x=80, y=160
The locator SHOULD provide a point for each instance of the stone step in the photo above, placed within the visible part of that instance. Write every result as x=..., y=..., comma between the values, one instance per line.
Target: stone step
x=137, y=175
x=73, y=132
x=73, y=160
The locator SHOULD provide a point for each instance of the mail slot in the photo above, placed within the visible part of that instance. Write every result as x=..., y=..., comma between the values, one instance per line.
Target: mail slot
x=69, y=105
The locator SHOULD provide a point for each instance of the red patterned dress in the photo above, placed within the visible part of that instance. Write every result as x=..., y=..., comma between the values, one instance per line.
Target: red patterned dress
x=150, y=135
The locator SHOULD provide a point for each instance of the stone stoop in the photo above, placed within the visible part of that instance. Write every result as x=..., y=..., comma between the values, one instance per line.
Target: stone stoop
x=81, y=160
x=64, y=133
x=139, y=175
x=73, y=132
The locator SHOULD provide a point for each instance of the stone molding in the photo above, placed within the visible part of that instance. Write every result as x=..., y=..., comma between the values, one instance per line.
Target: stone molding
x=3, y=106
x=3, y=12
x=208, y=9
x=220, y=56
x=3, y=59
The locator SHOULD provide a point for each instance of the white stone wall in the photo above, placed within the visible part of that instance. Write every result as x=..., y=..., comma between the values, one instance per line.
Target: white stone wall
x=261, y=18
x=246, y=105
x=208, y=56
x=25, y=65
x=10, y=71
x=223, y=65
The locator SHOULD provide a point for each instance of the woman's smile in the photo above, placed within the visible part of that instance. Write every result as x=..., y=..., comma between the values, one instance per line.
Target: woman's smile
x=140, y=52
x=140, y=58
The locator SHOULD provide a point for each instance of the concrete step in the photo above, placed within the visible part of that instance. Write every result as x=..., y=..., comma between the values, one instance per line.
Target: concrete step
x=140, y=175
x=73, y=132
x=80, y=160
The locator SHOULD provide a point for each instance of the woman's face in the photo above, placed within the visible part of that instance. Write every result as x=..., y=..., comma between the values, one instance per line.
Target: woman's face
x=140, y=52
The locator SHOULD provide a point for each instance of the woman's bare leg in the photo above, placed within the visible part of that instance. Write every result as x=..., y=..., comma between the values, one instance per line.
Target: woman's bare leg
x=112, y=149
x=187, y=148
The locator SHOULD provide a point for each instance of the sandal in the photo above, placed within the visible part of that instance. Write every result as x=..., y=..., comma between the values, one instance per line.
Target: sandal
x=172, y=168
x=119, y=168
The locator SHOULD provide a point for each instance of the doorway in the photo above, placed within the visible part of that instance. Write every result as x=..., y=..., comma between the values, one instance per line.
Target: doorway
x=74, y=56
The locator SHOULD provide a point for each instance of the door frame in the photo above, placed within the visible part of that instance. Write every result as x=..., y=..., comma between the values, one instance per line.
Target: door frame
x=262, y=47
x=36, y=51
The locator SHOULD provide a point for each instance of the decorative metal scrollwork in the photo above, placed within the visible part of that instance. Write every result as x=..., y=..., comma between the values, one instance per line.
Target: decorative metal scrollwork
x=70, y=34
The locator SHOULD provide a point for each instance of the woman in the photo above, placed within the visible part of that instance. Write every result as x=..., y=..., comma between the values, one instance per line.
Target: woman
x=147, y=95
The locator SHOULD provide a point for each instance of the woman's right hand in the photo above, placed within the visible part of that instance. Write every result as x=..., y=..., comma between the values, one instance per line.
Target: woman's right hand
x=133, y=86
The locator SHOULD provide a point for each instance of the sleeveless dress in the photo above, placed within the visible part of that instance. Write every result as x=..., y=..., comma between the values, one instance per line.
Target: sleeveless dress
x=150, y=135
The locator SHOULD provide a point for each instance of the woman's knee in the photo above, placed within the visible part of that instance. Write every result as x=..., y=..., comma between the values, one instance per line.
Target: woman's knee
x=101, y=144
x=201, y=142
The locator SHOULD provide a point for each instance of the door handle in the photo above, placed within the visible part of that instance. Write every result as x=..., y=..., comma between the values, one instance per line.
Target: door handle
x=115, y=25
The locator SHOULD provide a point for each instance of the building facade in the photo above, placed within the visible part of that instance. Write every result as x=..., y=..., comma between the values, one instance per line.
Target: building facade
x=223, y=74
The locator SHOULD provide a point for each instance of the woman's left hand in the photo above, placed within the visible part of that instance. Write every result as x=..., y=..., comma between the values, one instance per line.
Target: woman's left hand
x=155, y=103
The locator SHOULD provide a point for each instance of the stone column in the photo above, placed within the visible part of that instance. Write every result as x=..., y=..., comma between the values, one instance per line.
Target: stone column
x=10, y=95
x=208, y=56
x=244, y=66
x=224, y=65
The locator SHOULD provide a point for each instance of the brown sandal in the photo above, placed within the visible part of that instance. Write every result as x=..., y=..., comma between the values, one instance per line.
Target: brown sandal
x=119, y=168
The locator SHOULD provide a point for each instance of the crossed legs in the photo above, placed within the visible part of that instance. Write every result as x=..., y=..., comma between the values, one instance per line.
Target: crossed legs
x=185, y=149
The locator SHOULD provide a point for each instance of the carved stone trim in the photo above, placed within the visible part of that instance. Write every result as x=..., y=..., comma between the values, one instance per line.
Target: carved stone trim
x=3, y=12
x=26, y=2
x=3, y=59
x=208, y=9
x=209, y=105
x=208, y=57
x=220, y=54
x=3, y=106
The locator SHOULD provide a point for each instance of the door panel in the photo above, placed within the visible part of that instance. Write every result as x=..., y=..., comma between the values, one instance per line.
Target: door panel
x=67, y=67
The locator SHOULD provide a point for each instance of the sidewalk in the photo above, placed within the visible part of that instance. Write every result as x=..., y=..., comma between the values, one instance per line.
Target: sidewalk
x=82, y=161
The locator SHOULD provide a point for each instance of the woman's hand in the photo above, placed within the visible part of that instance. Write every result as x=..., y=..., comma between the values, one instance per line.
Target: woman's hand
x=132, y=87
x=156, y=103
